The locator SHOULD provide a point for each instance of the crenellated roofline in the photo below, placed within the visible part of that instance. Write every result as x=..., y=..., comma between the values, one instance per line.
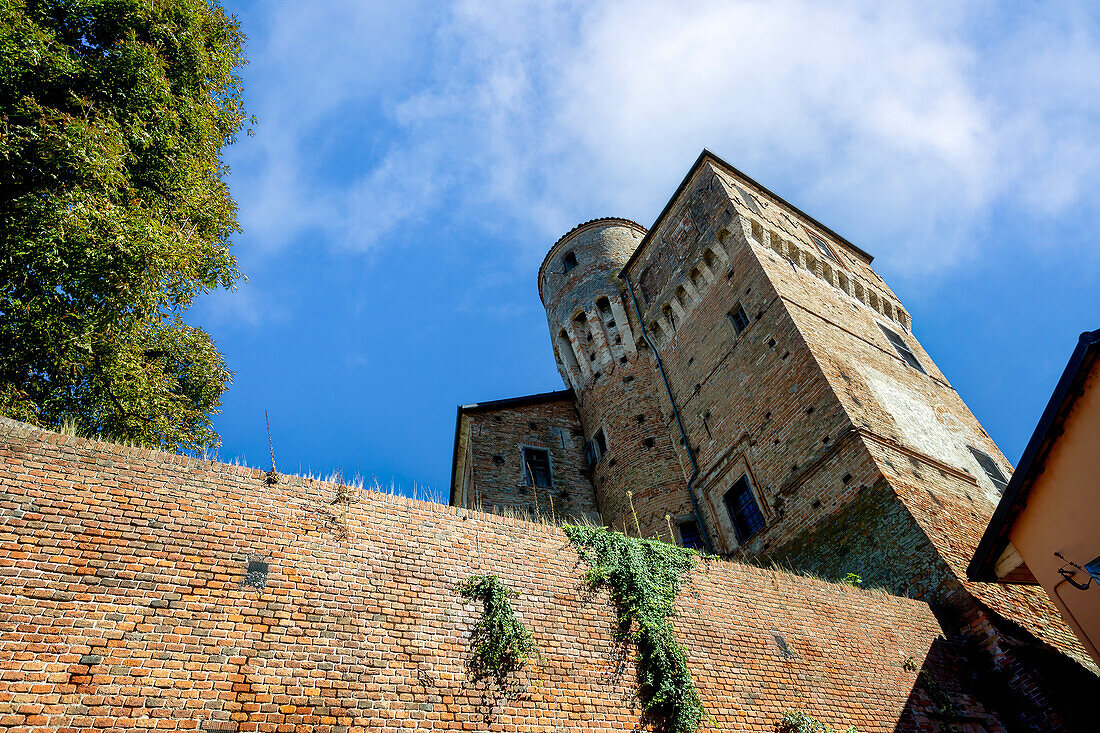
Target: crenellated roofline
x=708, y=156
x=582, y=227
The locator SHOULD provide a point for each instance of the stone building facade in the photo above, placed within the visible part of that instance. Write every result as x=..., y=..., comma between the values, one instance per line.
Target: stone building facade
x=745, y=382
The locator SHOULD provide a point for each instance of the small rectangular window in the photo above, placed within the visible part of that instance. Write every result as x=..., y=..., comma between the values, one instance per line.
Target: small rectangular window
x=902, y=348
x=570, y=261
x=823, y=247
x=743, y=510
x=990, y=467
x=737, y=321
x=690, y=536
x=595, y=448
x=536, y=466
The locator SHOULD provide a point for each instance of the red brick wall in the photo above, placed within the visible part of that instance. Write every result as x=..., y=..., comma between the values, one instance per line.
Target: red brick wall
x=122, y=607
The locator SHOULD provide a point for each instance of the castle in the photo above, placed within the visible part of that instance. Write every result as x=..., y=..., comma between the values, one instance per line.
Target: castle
x=775, y=407
x=741, y=380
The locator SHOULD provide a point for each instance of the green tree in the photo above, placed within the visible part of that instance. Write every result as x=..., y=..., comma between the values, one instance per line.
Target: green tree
x=114, y=212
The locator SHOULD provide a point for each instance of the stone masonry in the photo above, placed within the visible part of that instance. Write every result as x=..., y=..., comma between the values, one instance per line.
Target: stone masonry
x=490, y=441
x=741, y=350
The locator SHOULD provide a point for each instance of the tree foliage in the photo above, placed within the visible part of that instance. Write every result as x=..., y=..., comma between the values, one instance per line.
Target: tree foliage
x=114, y=212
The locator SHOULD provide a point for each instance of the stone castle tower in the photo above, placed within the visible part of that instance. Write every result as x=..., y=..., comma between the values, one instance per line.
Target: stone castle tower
x=615, y=387
x=741, y=380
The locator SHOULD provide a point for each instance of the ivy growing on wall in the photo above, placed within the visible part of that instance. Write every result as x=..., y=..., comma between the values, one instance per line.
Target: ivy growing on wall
x=643, y=577
x=941, y=701
x=796, y=721
x=501, y=643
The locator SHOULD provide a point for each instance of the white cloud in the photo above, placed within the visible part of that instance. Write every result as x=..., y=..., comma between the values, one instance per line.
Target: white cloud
x=904, y=125
x=245, y=305
x=313, y=69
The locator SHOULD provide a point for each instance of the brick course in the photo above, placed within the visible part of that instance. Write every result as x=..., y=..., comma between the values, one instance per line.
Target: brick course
x=124, y=604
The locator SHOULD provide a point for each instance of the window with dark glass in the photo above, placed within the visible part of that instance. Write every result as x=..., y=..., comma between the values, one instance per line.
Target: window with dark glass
x=595, y=448
x=737, y=321
x=743, y=510
x=990, y=467
x=902, y=348
x=690, y=536
x=822, y=246
x=536, y=466
x=570, y=261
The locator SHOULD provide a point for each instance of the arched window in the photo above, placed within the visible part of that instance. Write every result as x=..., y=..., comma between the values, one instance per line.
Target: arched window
x=568, y=356
x=569, y=261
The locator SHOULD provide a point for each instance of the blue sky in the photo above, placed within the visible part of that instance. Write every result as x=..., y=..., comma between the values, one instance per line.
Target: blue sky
x=414, y=161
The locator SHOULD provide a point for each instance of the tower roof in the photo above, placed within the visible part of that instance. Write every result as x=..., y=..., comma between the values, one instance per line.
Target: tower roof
x=599, y=220
x=705, y=156
x=581, y=227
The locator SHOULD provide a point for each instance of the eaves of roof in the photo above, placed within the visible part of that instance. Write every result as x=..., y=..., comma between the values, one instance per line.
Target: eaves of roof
x=1014, y=499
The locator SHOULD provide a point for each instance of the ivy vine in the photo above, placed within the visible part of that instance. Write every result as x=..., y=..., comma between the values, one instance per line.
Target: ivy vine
x=941, y=701
x=796, y=721
x=501, y=643
x=643, y=577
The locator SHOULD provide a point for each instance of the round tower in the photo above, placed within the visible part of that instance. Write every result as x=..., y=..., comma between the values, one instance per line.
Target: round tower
x=580, y=287
x=596, y=346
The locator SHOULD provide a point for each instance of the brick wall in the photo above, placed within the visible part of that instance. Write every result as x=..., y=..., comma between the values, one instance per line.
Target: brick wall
x=125, y=603
x=617, y=388
x=754, y=404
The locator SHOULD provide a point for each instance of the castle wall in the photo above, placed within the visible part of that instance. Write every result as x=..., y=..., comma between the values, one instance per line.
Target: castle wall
x=791, y=364
x=754, y=403
x=919, y=433
x=493, y=477
x=640, y=457
x=126, y=602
